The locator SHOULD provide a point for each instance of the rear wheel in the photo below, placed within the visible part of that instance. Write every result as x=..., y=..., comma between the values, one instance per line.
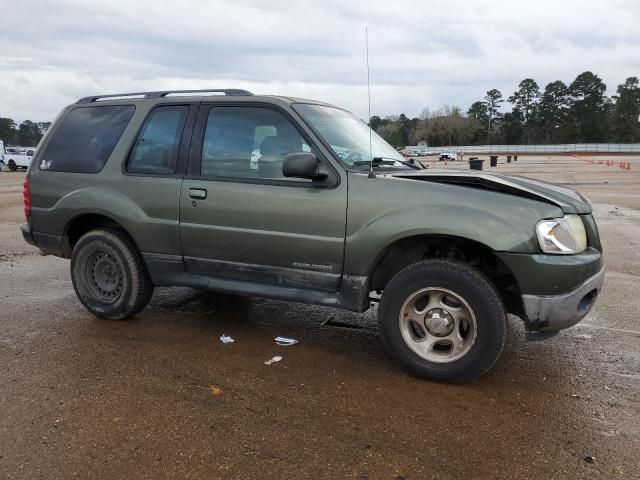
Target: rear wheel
x=12, y=165
x=443, y=320
x=109, y=275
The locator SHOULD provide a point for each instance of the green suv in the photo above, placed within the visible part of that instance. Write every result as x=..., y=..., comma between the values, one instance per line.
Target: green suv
x=296, y=199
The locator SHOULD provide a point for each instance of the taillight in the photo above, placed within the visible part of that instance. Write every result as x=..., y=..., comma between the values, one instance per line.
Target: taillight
x=26, y=197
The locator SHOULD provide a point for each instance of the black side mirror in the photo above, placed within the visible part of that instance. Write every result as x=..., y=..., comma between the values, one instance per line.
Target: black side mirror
x=302, y=165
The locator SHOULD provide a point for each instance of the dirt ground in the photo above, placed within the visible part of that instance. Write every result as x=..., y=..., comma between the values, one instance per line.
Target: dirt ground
x=160, y=397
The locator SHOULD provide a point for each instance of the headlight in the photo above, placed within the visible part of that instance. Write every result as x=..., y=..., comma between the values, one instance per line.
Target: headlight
x=563, y=236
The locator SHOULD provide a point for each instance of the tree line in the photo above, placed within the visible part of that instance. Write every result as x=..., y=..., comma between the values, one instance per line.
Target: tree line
x=26, y=134
x=576, y=113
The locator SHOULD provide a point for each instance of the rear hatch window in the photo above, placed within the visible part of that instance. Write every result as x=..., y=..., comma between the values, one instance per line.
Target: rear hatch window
x=85, y=138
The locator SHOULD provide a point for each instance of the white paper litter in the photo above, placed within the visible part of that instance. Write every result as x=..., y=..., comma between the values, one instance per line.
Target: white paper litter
x=226, y=339
x=285, y=342
x=275, y=359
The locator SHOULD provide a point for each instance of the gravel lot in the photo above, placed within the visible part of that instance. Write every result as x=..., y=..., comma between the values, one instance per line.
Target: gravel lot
x=160, y=397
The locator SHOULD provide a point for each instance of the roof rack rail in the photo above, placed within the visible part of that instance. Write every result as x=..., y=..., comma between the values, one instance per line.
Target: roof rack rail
x=164, y=93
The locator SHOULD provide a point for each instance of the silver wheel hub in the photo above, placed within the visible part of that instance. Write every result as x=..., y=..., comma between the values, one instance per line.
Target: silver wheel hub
x=439, y=322
x=438, y=325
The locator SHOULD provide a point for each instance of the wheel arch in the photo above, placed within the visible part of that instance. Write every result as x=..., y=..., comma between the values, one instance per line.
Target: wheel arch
x=86, y=222
x=416, y=248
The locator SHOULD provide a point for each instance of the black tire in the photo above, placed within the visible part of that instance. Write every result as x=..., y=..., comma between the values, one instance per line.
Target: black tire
x=470, y=285
x=12, y=166
x=109, y=275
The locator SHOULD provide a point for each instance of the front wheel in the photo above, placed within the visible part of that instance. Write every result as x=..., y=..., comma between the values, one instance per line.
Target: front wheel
x=443, y=320
x=109, y=275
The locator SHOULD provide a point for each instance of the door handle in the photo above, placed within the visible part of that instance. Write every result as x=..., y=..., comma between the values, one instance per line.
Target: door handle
x=198, y=193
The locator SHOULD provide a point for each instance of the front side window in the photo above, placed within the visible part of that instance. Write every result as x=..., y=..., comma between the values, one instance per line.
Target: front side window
x=350, y=138
x=156, y=149
x=248, y=142
x=85, y=138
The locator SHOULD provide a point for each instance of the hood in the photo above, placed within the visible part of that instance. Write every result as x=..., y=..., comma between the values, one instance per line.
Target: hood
x=567, y=199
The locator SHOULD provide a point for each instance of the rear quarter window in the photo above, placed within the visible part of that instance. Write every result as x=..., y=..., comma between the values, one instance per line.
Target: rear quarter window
x=85, y=138
x=156, y=149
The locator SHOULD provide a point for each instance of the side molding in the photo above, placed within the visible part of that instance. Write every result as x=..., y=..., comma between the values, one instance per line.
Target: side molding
x=172, y=270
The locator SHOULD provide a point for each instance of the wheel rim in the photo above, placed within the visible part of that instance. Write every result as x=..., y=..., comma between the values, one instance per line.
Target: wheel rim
x=104, y=275
x=438, y=325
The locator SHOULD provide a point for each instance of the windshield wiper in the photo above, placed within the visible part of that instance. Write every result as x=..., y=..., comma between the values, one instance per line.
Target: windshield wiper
x=404, y=162
x=377, y=161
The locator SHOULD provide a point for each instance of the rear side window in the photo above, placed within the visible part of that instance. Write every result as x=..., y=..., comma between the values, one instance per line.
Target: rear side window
x=85, y=138
x=156, y=149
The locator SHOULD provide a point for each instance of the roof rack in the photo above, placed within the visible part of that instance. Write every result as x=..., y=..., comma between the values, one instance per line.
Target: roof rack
x=164, y=93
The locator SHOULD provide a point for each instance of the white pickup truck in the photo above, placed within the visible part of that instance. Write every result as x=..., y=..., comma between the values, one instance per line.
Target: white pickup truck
x=17, y=160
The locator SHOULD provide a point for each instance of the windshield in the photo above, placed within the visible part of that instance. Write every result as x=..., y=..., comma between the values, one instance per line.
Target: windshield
x=349, y=136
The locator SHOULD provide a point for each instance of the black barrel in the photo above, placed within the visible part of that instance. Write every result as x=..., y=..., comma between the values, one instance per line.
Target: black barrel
x=475, y=164
x=508, y=158
x=494, y=160
x=515, y=158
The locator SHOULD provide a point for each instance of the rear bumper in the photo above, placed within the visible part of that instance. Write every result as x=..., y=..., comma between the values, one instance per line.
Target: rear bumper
x=27, y=234
x=52, y=244
x=557, y=312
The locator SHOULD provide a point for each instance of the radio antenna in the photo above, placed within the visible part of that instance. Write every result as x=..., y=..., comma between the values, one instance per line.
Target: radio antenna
x=366, y=40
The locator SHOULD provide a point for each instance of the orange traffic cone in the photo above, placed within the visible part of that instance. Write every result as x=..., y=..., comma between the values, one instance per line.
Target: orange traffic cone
x=628, y=166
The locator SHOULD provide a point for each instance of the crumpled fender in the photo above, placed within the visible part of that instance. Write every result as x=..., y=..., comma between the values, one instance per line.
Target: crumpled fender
x=395, y=209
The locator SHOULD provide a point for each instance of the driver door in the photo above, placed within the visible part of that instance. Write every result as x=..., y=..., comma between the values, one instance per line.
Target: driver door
x=242, y=219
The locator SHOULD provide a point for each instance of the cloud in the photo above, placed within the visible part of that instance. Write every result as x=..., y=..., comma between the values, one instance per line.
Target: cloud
x=421, y=53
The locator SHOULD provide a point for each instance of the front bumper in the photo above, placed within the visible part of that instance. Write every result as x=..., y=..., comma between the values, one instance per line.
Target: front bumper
x=556, y=312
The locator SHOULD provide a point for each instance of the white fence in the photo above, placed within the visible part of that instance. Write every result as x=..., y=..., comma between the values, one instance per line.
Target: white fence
x=559, y=148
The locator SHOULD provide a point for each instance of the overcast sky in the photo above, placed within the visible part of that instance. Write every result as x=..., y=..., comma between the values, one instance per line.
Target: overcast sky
x=422, y=53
